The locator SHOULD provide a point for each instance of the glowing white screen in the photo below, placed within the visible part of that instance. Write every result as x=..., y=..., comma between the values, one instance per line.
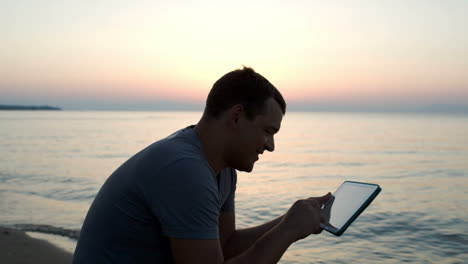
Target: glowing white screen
x=348, y=199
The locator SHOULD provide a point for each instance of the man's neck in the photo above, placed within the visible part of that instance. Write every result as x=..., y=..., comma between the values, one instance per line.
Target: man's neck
x=211, y=137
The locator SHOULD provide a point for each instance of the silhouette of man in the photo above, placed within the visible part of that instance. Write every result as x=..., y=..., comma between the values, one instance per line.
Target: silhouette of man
x=173, y=202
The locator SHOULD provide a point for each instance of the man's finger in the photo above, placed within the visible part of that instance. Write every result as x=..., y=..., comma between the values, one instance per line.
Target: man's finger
x=322, y=199
x=325, y=198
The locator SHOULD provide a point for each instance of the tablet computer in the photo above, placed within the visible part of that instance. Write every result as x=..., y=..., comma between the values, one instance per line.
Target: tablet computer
x=346, y=204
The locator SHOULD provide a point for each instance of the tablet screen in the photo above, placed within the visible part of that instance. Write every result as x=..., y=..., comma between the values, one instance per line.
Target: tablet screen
x=349, y=200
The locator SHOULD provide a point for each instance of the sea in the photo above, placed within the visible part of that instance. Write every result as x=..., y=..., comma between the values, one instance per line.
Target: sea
x=52, y=164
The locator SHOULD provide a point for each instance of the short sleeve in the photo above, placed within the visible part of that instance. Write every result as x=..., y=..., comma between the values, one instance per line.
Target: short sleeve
x=184, y=198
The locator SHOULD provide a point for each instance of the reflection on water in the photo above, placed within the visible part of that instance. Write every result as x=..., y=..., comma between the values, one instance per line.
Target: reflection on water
x=53, y=163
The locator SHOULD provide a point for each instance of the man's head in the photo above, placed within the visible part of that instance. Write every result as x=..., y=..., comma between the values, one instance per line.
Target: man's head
x=250, y=110
x=245, y=87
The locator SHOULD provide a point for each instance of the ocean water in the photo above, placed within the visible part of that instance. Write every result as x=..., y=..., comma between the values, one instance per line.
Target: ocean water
x=53, y=163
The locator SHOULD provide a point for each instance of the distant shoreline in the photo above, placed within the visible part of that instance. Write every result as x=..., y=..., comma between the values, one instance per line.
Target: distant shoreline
x=29, y=107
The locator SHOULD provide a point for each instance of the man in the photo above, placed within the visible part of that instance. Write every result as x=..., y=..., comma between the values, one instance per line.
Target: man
x=173, y=202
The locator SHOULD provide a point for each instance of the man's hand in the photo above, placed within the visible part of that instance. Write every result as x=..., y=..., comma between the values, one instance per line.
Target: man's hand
x=305, y=216
x=302, y=219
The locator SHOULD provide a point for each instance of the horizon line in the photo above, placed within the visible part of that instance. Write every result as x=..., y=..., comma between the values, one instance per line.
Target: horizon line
x=432, y=108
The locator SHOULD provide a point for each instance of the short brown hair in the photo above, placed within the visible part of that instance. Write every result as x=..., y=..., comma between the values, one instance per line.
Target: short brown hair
x=245, y=87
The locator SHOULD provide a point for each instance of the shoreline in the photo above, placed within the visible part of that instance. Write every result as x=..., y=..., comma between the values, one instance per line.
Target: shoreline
x=19, y=247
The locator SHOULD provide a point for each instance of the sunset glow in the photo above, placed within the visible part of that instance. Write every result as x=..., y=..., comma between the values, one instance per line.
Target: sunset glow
x=366, y=52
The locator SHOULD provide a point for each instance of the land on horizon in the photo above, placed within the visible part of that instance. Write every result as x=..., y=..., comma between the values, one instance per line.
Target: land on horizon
x=28, y=107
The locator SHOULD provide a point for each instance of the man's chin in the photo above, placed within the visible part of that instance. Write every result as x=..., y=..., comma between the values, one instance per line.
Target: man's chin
x=247, y=168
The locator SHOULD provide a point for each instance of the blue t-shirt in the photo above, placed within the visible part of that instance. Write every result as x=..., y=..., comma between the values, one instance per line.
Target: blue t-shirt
x=166, y=190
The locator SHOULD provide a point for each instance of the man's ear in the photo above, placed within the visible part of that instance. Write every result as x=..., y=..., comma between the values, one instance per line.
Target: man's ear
x=235, y=113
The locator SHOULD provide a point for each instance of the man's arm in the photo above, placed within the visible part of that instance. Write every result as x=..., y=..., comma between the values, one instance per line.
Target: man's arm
x=235, y=241
x=266, y=250
x=301, y=220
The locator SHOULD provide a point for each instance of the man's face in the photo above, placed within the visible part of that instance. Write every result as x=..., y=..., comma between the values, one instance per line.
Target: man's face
x=252, y=137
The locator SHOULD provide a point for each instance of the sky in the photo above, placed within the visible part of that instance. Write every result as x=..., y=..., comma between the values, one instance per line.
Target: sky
x=153, y=55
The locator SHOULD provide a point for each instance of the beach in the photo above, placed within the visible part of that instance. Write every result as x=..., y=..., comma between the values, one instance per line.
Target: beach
x=19, y=248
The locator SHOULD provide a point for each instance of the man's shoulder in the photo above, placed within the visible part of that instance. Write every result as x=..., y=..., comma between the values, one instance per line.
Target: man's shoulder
x=181, y=142
x=157, y=156
x=179, y=145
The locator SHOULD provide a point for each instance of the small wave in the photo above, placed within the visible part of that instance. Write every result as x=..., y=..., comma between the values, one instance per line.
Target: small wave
x=49, y=187
x=48, y=229
x=311, y=164
x=112, y=156
x=349, y=164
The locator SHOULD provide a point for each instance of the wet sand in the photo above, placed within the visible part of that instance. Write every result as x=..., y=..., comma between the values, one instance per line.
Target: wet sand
x=19, y=248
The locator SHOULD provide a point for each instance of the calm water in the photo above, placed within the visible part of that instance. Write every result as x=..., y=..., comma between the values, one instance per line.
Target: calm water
x=53, y=163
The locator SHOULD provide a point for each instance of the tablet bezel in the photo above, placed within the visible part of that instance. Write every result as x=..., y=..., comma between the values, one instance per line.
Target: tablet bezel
x=339, y=232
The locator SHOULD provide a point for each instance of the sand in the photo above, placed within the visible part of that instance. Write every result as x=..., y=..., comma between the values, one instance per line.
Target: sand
x=17, y=248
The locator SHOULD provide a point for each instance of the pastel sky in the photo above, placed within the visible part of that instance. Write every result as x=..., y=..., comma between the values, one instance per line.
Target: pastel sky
x=105, y=54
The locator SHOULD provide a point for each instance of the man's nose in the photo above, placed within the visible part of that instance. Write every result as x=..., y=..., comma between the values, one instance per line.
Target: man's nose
x=270, y=144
